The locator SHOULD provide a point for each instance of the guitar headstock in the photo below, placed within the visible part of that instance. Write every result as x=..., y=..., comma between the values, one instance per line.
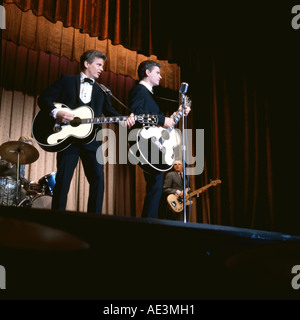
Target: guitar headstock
x=147, y=119
x=215, y=182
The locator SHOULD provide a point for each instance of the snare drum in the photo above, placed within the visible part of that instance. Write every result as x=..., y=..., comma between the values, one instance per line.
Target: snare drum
x=47, y=183
x=40, y=201
x=8, y=191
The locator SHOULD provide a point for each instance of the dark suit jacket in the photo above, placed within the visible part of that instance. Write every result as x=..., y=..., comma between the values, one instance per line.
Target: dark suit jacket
x=66, y=90
x=142, y=102
x=172, y=183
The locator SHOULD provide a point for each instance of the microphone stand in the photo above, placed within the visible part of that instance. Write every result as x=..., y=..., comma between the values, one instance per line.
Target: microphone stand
x=183, y=105
x=108, y=92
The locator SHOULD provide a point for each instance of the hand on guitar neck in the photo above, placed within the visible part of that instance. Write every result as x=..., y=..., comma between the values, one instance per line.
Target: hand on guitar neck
x=169, y=122
x=178, y=114
x=186, y=111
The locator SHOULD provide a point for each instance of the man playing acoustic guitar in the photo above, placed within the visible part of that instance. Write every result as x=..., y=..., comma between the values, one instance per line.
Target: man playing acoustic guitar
x=143, y=101
x=75, y=91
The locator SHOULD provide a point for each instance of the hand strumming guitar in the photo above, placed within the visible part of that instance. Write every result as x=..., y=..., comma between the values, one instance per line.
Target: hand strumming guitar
x=63, y=117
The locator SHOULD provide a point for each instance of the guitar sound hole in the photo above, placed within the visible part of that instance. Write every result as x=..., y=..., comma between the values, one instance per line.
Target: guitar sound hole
x=75, y=122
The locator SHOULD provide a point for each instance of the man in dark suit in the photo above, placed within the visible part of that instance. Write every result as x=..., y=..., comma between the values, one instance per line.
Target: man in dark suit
x=74, y=91
x=143, y=102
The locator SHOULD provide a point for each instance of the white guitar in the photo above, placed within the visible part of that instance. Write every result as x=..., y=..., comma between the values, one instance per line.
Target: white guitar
x=54, y=137
x=156, y=145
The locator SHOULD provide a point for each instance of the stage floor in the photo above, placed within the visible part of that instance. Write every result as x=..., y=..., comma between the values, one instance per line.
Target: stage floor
x=67, y=255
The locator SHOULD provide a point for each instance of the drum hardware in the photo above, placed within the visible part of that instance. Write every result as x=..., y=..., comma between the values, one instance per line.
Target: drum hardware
x=41, y=201
x=39, y=195
x=18, y=153
x=33, y=188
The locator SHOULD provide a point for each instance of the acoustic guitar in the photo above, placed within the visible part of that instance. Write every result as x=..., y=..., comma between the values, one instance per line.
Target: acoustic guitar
x=54, y=137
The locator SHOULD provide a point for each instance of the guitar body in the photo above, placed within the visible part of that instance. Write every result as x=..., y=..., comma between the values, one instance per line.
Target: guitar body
x=53, y=138
x=155, y=148
x=155, y=145
x=176, y=203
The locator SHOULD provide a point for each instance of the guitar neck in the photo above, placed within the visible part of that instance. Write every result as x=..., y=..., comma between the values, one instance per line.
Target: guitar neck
x=178, y=115
x=105, y=119
x=146, y=119
x=176, y=119
x=200, y=190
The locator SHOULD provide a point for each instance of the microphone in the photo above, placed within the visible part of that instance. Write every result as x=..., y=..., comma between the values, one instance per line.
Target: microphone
x=183, y=90
x=104, y=89
x=184, y=87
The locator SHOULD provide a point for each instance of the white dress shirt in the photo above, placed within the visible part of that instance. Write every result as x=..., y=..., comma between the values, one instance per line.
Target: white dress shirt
x=85, y=89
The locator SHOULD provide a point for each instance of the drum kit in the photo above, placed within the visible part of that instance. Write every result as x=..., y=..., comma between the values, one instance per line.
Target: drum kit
x=37, y=195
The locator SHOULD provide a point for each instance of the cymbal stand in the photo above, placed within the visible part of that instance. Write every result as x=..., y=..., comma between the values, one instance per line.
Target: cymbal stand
x=18, y=174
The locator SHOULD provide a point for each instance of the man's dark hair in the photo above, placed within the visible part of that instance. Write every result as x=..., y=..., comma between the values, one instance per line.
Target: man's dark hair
x=90, y=56
x=146, y=65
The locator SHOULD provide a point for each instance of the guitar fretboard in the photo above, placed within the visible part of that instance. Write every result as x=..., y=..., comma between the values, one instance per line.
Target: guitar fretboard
x=104, y=120
x=176, y=119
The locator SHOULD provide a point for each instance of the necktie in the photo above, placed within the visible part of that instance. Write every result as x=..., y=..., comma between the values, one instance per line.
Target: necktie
x=90, y=81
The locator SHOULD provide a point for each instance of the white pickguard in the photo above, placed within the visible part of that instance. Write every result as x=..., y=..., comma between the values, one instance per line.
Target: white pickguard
x=167, y=146
x=81, y=131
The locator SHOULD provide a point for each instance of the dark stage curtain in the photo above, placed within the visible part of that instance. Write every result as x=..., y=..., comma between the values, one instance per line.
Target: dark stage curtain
x=124, y=22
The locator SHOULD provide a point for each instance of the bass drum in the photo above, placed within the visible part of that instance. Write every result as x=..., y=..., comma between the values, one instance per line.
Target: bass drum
x=47, y=183
x=40, y=202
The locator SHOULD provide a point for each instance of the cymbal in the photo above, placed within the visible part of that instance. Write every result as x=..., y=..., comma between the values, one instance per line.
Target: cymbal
x=9, y=152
